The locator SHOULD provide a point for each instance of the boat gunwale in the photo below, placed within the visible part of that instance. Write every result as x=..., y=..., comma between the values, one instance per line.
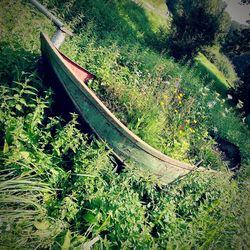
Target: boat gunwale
x=109, y=115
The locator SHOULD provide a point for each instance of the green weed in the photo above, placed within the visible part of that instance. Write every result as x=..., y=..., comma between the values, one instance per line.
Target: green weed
x=60, y=189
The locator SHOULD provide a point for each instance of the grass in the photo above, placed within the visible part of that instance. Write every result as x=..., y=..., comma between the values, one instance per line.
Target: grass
x=222, y=62
x=221, y=84
x=75, y=194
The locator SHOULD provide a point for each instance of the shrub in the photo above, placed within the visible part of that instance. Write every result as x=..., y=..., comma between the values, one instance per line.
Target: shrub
x=196, y=24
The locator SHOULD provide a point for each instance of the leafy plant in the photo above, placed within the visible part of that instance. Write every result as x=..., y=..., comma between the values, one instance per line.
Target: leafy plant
x=62, y=189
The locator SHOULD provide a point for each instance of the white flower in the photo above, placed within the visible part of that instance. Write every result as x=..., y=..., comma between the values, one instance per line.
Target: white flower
x=215, y=130
x=229, y=97
x=8, y=227
x=211, y=104
x=239, y=104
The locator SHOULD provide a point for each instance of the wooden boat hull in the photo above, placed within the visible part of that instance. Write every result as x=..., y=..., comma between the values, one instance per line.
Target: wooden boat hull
x=126, y=145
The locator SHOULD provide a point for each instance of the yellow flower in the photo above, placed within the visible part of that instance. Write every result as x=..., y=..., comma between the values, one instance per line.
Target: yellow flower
x=179, y=102
x=195, y=121
x=176, y=111
x=192, y=130
x=162, y=103
x=187, y=121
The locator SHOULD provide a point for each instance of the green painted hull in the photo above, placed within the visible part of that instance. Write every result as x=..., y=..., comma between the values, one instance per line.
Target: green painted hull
x=126, y=145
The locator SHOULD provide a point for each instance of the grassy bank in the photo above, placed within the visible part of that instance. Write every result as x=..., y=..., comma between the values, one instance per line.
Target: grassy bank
x=60, y=188
x=220, y=82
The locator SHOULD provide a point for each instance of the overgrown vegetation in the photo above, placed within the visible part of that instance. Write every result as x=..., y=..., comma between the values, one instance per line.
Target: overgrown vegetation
x=236, y=46
x=60, y=188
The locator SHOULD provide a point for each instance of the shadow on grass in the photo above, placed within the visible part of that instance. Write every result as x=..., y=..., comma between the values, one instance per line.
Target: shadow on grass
x=123, y=20
x=15, y=60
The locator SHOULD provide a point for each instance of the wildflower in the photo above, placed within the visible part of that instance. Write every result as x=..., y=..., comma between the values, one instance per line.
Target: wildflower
x=187, y=121
x=180, y=102
x=192, y=130
x=229, y=97
x=215, y=129
x=176, y=111
x=211, y=104
x=162, y=104
x=239, y=104
x=7, y=227
x=195, y=121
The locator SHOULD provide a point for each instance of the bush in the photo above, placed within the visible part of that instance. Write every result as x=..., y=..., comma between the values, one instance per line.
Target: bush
x=196, y=24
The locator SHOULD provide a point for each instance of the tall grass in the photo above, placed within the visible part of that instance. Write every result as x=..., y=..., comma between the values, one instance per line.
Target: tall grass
x=61, y=189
